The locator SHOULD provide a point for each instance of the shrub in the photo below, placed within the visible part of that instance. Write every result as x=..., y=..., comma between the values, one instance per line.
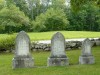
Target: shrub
x=87, y=18
x=7, y=43
x=52, y=19
x=13, y=20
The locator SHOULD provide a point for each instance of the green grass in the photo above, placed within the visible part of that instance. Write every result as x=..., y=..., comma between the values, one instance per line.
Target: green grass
x=41, y=60
x=67, y=34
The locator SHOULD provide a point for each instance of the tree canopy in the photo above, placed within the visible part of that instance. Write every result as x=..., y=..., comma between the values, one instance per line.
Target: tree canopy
x=47, y=15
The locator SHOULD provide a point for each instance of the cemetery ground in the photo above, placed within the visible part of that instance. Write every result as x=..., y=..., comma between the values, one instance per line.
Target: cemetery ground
x=47, y=35
x=40, y=57
x=40, y=60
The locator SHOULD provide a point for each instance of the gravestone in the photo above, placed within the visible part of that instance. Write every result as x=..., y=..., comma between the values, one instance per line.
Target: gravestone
x=22, y=58
x=86, y=56
x=58, y=56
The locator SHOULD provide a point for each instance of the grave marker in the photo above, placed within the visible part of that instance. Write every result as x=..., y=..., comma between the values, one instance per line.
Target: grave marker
x=86, y=56
x=58, y=55
x=22, y=58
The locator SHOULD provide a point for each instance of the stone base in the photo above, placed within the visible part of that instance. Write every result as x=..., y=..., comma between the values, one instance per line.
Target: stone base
x=22, y=62
x=86, y=60
x=57, y=62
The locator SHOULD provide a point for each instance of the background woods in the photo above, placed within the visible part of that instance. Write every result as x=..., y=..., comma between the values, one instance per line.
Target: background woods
x=49, y=15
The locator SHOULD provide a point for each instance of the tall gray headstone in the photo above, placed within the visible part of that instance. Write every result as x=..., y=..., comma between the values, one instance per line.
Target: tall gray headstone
x=86, y=56
x=58, y=55
x=22, y=58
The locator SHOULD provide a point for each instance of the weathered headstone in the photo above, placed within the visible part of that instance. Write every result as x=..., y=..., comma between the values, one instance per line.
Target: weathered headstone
x=58, y=56
x=22, y=58
x=86, y=56
x=97, y=41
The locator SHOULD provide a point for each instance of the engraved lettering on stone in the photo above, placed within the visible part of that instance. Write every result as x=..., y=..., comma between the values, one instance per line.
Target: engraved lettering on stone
x=58, y=45
x=22, y=58
x=86, y=47
x=58, y=55
x=86, y=57
x=23, y=47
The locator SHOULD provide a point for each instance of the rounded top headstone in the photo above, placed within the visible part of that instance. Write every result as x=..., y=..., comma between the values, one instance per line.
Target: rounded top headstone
x=58, y=45
x=58, y=35
x=86, y=47
x=22, y=46
x=22, y=34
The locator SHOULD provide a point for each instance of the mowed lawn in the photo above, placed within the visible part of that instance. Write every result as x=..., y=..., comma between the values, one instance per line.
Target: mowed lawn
x=67, y=34
x=47, y=35
x=40, y=60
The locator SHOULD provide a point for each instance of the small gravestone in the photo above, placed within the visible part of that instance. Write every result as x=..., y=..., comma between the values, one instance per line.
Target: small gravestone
x=22, y=57
x=86, y=56
x=58, y=56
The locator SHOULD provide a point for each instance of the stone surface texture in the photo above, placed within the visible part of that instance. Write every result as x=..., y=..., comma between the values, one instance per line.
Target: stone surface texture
x=22, y=58
x=58, y=55
x=86, y=56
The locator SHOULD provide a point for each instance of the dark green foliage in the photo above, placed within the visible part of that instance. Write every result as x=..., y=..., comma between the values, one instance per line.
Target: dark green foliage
x=1, y=4
x=76, y=5
x=7, y=43
x=53, y=19
x=87, y=18
x=13, y=20
x=22, y=6
x=36, y=15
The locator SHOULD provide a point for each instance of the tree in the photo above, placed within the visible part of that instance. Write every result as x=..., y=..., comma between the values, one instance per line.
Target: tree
x=22, y=4
x=58, y=4
x=9, y=2
x=36, y=8
x=2, y=4
x=31, y=8
x=52, y=19
x=12, y=19
x=85, y=19
x=77, y=4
